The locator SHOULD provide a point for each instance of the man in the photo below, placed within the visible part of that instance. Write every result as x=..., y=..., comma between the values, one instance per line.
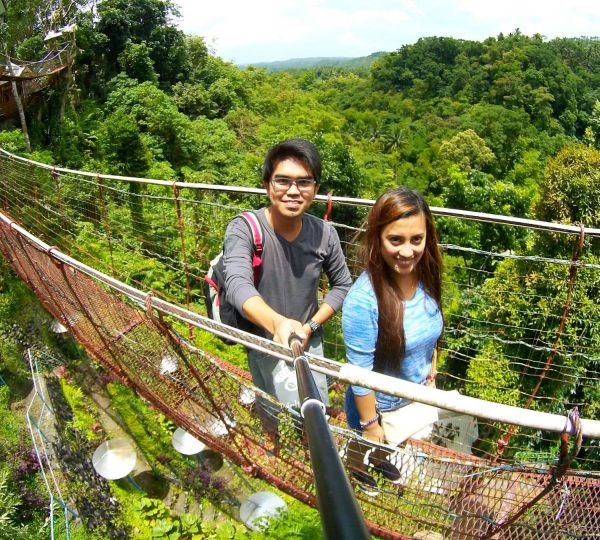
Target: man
x=297, y=248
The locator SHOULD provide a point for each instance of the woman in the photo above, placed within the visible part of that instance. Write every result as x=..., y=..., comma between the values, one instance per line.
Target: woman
x=392, y=316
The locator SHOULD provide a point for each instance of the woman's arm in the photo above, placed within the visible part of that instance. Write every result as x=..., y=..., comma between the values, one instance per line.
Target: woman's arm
x=360, y=323
x=367, y=411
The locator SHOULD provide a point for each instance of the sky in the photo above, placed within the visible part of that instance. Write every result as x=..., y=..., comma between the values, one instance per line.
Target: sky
x=242, y=31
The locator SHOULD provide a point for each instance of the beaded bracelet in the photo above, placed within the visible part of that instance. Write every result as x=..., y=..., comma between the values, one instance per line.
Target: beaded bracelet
x=370, y=422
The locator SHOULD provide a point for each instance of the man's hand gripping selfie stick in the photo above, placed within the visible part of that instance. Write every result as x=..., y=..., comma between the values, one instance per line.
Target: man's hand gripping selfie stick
x=307, y=388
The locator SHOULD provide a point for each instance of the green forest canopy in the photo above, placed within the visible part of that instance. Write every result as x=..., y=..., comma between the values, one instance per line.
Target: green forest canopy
x=146, y=99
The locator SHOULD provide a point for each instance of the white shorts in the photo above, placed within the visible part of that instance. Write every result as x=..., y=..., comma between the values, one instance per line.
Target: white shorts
x=413, y=420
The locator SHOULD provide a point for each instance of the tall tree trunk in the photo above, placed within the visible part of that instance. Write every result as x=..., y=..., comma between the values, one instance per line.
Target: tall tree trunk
x=18, y=101
x=19, y=104
x=68, y=78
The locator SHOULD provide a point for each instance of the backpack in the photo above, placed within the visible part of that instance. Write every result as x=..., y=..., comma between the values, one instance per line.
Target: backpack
x=217, y=306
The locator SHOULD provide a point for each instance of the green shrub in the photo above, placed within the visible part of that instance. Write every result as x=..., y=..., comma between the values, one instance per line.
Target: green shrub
x=84, y=417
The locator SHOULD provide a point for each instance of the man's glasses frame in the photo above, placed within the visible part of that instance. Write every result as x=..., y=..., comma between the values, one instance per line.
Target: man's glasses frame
x=284, y=183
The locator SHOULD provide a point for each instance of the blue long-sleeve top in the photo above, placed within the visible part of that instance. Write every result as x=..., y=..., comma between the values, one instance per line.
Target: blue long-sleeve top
x=422, y=328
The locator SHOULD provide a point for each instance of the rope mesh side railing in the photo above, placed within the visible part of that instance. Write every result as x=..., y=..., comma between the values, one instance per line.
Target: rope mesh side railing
x=499, y=335
x=12, y=69
x=488, y=318
x=452, y=493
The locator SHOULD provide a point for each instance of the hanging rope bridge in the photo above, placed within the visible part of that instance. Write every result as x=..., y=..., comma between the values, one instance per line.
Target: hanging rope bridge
x=120, y=261
x=31, y=76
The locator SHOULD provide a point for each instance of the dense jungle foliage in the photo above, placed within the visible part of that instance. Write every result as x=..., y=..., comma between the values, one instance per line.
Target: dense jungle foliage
x=509, y=125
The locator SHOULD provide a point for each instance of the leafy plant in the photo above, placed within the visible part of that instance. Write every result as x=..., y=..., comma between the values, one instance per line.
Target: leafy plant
x=9, y=502
x=84, y=417
x=156, y=521
x=299, y=522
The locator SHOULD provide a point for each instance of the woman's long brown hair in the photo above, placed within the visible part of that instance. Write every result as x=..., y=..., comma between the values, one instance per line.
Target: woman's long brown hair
x=394, y=204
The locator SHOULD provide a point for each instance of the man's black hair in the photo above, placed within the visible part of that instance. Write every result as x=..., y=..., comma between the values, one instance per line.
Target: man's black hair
x=300, y=149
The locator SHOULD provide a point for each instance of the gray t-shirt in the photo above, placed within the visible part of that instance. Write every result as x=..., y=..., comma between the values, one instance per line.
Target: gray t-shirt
x=290, y=272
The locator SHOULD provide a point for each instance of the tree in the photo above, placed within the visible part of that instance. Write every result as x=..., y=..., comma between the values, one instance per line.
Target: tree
x=136, y=63
x=224, y=97
x=570, y=193
x=126, y=153
x=340, y=176
x=571, y=188
x=500, y=128
x=477, y=191
x=170, y=54
x=18, y=22
x=193, y=100
x=123, y=146
x=168, y=133
x=467, y=150
x=220, y=157
x=132, y=20
x=245, y=124
x=197, y=52
x=394, y=138
x=593, y=129
x=429, y=62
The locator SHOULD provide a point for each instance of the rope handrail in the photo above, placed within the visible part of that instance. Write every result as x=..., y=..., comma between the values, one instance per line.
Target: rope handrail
x=547, y=226
x=46, y=59
x=343, y=372
x=53, y=63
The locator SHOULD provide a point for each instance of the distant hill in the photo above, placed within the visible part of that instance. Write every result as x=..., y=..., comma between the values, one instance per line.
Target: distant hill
x=317, y=62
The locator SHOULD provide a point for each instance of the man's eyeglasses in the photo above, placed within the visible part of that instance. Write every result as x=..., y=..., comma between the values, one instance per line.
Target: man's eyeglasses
x=283, y=183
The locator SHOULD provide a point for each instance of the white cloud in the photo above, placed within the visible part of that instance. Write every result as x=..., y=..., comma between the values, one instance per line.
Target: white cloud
x=551, y=18
x=274, y=30
x=234, y=25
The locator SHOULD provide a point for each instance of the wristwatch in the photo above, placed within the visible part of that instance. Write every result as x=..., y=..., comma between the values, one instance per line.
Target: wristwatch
x=314, y=325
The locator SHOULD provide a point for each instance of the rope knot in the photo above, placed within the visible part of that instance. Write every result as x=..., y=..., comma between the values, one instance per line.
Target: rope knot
x=148, y=304
x=53, y=259
x=566, y=455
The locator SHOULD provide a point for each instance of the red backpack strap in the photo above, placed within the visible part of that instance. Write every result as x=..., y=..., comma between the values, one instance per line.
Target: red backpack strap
x=257, y=234
x=328, y=207
x=257, y=237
